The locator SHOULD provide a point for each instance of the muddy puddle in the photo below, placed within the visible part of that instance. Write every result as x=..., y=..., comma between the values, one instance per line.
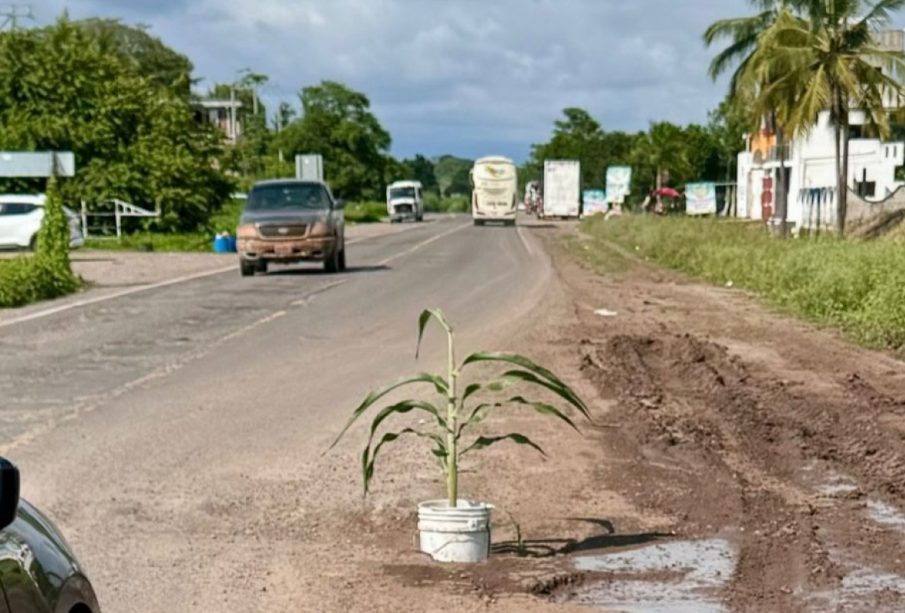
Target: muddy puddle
x=672, y=577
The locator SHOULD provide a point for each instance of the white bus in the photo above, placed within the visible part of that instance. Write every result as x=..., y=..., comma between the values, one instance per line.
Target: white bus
x=495, y=190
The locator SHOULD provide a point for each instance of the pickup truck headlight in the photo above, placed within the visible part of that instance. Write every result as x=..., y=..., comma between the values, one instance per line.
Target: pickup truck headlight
x=247, y=231
x=318, y=228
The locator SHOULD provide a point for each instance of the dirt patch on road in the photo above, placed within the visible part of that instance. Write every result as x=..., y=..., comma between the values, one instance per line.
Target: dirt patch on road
x=775, y=437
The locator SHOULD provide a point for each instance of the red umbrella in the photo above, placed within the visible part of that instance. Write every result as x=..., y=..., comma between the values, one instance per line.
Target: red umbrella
x=668, y=192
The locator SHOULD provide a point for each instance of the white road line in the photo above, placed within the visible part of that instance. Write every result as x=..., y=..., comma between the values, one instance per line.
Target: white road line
x=524, y=241
x=310, y=295
x=250, y=327
x=423, y=243
x=126, y=292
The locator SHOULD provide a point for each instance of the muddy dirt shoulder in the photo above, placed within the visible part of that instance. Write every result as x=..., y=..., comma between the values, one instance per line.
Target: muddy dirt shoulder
x=741, y=425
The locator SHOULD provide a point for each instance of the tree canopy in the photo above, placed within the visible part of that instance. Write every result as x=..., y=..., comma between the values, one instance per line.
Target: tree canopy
x=134, y=139
x=337, y=122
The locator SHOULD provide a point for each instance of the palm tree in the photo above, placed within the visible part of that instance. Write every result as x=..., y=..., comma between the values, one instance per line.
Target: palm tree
x=661, y=149
x=748, y=51
x=832, y=61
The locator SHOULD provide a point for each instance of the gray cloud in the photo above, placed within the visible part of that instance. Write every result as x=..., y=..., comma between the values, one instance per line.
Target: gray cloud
x=460, y=76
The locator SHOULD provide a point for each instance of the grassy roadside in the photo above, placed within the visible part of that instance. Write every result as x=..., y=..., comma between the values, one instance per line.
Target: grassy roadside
x=857, y=286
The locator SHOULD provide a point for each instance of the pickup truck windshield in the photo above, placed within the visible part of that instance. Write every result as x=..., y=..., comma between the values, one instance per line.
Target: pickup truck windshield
x=286, y=196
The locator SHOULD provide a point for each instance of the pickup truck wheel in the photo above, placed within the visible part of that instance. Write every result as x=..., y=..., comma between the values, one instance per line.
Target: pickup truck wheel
x=479, y=222
x=342, y=258
x=331, y=264
x=247, y=269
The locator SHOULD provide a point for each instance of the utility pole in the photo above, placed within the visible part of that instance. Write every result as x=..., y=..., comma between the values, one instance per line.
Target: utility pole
x=232, y=114
x=10, y=14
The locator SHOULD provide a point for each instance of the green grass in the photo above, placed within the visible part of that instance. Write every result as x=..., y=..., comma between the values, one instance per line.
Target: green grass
x=27, y=279
x=857, y=286
x=596, y=254
x=155, y=241
x=446, y=204
x=365, y=212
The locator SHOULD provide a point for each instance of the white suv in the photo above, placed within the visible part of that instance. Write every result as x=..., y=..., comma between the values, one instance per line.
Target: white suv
x=20, y=220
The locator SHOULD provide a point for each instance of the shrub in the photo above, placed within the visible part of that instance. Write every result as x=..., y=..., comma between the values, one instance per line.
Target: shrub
x=29, y=279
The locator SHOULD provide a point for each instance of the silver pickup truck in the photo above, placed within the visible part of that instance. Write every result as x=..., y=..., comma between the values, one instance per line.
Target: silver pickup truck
x=287, y=221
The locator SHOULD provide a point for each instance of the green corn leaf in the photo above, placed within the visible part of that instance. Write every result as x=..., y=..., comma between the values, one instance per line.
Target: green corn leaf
x=372, y=398
x=552, y=382
x=478, y=414
x=560, y=389
x=422, y=323
x=486, y=441
x=406, y=406
x=368, y=458
x=494, y=386
x=544, y=409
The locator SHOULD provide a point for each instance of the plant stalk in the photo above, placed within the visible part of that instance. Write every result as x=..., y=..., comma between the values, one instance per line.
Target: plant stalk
x=452, y=459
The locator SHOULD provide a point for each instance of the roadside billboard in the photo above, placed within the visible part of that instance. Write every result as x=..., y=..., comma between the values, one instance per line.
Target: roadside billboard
x=37, y=163
x=700, y=199
x=618, y=183
x=594, y=201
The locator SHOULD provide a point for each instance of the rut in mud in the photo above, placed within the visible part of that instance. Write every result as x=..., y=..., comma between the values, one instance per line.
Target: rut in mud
x=740, y=448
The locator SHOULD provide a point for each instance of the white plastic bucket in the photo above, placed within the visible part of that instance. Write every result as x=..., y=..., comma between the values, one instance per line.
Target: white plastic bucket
x=460, y=534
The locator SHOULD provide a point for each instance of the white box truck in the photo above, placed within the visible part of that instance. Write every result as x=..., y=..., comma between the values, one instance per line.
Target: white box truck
x=405, y=200
x=562, y=188
x=495, y=192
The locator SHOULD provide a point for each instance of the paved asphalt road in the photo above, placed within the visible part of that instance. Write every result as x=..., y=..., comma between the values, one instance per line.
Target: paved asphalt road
x=175, y=434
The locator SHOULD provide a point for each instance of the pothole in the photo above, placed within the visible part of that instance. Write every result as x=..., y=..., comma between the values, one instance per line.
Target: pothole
x=675, y=577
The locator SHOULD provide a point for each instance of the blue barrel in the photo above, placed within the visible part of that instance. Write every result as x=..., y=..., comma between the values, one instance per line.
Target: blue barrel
x=221, y=244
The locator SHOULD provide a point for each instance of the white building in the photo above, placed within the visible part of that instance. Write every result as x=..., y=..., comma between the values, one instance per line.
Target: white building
x=810, y=167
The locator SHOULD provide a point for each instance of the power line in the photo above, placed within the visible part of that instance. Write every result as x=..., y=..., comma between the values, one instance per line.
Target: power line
x=10, y=14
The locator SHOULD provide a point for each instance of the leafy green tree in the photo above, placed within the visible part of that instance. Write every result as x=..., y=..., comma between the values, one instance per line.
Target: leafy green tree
x=728, y=125
x=829, y=59
x=448, y=168
x=577, y=136
x=51, y=263
x=283, y=116
x=460, y=183
x=337, y=122
x=53, y=237
x=422, y=169
x=145, y=54
x=659, y=154
x=133, y=139
x=755, y=74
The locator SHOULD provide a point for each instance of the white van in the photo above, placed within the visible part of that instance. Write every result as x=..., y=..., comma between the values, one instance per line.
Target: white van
x=405, y=200
x=20, y=220
x=495, y=193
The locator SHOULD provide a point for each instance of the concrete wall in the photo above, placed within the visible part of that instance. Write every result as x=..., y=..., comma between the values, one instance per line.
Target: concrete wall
x=812, y=181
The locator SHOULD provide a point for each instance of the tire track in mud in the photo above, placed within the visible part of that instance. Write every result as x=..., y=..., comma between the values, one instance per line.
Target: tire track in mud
x=746, y=440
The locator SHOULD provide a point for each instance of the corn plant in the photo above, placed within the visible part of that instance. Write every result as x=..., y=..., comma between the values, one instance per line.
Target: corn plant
x=463, y=410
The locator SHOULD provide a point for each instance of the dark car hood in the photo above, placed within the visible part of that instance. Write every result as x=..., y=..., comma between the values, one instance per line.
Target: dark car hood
x=284, y=216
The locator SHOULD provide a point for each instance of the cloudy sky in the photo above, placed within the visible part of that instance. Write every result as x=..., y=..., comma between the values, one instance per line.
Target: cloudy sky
x=468, y=77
